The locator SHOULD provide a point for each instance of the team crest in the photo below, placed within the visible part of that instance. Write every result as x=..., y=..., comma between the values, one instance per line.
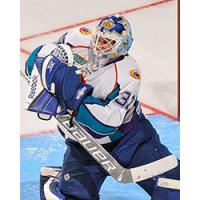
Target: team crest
x=85, y=31
x=134, y=73
x=80, y=59
x=108, y=23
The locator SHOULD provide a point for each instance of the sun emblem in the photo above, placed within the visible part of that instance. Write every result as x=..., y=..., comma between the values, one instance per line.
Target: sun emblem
x=108, y=24
x=134, y=73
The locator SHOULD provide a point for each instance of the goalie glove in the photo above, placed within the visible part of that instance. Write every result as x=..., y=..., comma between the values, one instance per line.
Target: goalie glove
x=57, y=82
x=64, y=82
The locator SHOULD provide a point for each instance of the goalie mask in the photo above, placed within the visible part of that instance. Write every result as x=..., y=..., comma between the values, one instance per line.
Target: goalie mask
x=112, y=38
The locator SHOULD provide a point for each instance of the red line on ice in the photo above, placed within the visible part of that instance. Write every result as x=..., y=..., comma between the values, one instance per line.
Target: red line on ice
x=93, y=20
x=51, y=131
x=157, y=111
x=39, y=133
x=153, y=109
x=24, y=51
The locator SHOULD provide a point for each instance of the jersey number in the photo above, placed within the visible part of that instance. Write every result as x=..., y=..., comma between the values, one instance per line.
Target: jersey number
x=125, y=100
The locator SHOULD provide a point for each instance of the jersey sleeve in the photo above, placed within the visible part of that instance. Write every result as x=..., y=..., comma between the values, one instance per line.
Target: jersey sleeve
x=79, y=36
x=105, y=116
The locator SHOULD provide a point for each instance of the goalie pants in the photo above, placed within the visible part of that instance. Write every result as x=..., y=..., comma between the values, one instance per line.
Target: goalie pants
x=82, y=177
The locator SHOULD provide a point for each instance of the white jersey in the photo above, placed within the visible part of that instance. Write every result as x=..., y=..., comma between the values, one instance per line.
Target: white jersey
x=116, y=86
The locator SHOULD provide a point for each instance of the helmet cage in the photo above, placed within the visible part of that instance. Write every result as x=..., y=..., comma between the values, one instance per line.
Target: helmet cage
x=111, y=42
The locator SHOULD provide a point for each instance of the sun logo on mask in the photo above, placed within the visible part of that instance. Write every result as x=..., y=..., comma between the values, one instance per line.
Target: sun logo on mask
x=108, y=24
x=135, y=73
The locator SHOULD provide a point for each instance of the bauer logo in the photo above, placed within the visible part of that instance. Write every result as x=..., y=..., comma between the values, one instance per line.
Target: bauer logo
x=34, y=81
x=89, y=145
x=85, y=31
x=81, y=92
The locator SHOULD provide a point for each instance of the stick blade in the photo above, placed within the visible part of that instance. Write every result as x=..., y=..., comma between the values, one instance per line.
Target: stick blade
x=150, y=170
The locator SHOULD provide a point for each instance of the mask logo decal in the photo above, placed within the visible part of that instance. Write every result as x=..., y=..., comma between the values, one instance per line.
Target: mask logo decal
x=108, y=24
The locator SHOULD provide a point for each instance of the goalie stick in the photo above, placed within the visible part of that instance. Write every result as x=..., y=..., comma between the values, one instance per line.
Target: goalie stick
x=119, y=173
x=107, y=161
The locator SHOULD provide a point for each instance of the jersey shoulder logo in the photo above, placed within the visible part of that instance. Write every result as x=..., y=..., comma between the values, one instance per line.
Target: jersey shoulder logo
x=85, y=31
x=80, y=59
x=135, y=73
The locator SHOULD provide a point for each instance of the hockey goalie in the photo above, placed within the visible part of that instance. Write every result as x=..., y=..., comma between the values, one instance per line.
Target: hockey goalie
x=90, y=75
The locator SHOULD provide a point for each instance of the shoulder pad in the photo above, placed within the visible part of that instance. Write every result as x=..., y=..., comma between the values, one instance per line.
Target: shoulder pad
x=80, y=36
x=129, y=69
x=46, y=50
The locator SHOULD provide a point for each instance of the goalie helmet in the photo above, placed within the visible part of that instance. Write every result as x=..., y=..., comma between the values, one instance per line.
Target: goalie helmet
x=111, y=39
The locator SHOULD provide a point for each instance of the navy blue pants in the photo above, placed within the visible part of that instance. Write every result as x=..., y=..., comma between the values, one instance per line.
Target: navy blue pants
x=82, y=177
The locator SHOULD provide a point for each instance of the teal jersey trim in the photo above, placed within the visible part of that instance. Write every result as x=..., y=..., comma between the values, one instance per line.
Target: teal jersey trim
x=111, y=96
x=93, y=100
x=116, y=135
x=31, y=60
x=114, y=93
x=86, y=118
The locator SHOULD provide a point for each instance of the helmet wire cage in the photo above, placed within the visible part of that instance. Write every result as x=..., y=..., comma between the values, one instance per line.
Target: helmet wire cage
x=106, y=42
x=111, y=39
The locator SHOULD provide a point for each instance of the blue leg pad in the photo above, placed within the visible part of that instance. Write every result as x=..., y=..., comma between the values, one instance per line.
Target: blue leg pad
x=165, y=194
